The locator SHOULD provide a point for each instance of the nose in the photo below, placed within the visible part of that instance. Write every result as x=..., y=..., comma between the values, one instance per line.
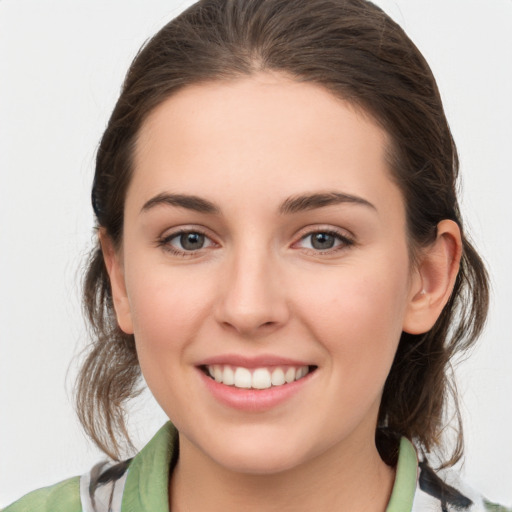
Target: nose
x=252, y=298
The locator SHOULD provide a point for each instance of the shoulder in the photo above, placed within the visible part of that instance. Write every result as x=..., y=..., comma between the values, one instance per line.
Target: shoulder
x=445, y=490
x=134, y=485
x=61, y=497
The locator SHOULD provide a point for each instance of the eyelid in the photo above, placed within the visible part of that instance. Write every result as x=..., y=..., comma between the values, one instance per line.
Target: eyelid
x=164, y=240
x=346, y=238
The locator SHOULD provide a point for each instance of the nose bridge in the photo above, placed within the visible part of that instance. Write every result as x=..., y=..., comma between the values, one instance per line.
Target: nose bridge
x=252, y=299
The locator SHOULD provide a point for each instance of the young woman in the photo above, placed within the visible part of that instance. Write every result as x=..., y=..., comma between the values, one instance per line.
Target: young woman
x=281, y=255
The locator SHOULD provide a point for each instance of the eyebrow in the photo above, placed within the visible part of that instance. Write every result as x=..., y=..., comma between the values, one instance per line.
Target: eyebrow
x=312, y=201
x=189, y=202
x=291, y=205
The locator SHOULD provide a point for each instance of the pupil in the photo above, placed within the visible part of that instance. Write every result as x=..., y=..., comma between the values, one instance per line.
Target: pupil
x=322, y=241
x=192, y=241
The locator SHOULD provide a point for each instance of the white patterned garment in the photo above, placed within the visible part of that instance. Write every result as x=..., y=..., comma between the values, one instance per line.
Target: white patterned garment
x=141, y=484
x=444, y=491
x=108, y=495
x=435, y=492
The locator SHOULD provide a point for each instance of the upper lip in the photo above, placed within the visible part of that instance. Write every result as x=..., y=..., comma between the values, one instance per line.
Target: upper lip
x=252, y=362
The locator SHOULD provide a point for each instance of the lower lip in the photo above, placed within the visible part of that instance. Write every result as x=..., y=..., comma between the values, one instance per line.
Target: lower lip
x=253, y=400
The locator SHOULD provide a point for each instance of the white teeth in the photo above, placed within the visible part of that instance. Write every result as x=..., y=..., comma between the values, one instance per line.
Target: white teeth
x=259, y=378
x=243, y=378
x=228, y=377
x=289, y=376
x=278, y=377
x=217, y=373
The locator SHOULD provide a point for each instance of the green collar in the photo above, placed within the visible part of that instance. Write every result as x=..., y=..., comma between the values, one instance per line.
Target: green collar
x=146, y=487
x=405, y=479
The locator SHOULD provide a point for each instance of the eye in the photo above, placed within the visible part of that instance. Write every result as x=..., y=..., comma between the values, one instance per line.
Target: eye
x=189, y=241
x=324, y=241
x=186, y=242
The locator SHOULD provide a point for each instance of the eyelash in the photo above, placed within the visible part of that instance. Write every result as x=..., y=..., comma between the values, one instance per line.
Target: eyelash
x=165, y=242
x=344, y=242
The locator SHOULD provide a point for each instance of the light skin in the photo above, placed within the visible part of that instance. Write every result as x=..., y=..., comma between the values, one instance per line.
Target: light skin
x=295, y=246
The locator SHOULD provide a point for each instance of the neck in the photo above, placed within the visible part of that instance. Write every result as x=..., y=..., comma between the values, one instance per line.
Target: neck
x=344, y=478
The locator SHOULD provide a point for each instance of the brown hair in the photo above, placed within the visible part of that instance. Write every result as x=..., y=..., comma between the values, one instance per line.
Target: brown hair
x=352, y=48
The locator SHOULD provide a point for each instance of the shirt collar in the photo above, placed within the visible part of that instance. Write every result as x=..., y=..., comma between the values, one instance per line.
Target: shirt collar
x=147, y=482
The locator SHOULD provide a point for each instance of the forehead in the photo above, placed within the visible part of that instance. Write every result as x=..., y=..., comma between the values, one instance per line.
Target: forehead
x=265, y=130
x=252, y=103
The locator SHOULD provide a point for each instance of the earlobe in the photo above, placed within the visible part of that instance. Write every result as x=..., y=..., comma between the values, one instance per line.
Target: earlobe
x=434, y=279
x=114, y=266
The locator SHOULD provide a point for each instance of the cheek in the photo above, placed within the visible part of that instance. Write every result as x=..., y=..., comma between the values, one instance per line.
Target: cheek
x=167, y=312
x=357, y=314
x=159, y=299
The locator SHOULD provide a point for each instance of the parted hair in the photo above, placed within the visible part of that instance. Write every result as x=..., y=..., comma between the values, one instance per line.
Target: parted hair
x=358, y=53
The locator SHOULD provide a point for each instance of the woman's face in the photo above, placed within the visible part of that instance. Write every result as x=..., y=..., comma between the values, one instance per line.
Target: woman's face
x=264, y=244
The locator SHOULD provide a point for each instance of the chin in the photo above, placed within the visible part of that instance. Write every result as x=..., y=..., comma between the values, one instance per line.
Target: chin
x=259, y=456
x=259, y=463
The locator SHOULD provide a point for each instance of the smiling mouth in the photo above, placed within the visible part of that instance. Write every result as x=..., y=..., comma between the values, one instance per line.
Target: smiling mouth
x=256, y=378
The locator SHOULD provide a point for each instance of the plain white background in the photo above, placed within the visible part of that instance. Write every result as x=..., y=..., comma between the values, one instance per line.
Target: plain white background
x=61, y=67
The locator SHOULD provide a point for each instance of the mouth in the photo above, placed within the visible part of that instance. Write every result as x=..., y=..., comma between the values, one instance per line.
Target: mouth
x=256, y=378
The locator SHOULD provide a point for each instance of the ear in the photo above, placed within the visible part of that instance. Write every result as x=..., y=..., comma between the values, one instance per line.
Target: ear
x=434, y=278
x=114, y=264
